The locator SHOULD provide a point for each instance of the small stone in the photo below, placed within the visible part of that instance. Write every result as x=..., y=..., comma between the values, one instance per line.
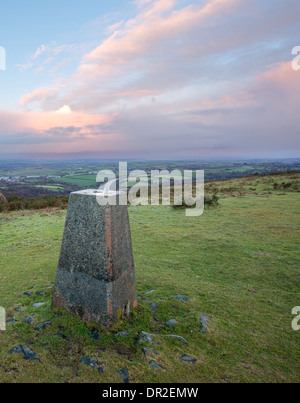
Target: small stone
x=94, y=335
x=182, y=298
x=41, y=294
x=154, y=309
x=62, y=336
x=42, y=326
x=123, y=374
x=11, y=321
x=27, y=293
x=28, y=320
x=140, y=298
x=19, y=310
x=122, y=334
x=28, y=354
x=39, y=304
x=92, y=362
x=145, y=337
x=147, y=350
x=171, y=323
x=16, y=350
x=149, y=292
x=187, y=358
x=204, y=319
x=180, y=338
x=156, y=366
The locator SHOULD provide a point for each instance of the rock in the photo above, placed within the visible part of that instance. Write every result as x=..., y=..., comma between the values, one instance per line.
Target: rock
x=187, y=358
x=145, y=337
x=27, y=293
x=123, y=374
x=182, y=298
x=149, y=292
x=92, y=362
x=122, y=334
x=154, y=309
x=94, y=335
x=28, y=320
x=28, y=354
x=62, y=336
x=40, y=294
x=156, y=366
x=204, y=319
x=11, y=321
x=147, y=350
x=19, y=310
x=180, y=338
x=42, y=326
x=39, y=304
x=171, y=323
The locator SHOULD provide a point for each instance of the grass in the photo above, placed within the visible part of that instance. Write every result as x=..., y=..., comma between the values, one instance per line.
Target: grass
x=238, y=263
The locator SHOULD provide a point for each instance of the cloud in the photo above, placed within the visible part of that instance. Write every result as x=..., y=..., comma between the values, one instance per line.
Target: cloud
x=179, y=78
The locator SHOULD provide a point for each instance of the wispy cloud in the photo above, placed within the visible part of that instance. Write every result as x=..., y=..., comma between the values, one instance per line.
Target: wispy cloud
x=204, y=77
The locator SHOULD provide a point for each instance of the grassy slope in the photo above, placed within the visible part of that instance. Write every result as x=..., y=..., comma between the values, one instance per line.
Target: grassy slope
x=237, y=263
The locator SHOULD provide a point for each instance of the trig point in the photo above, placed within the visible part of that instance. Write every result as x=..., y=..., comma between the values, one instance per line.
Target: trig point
x=95, y=277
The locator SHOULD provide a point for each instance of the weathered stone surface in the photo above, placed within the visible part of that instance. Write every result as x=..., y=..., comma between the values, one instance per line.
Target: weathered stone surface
x=124, y=333
x=28, y=320
x=187, y=358
x=42, y=326
x=95, y=277
x=204, y=319
x=149, y=351
x=28, y=354
x=180, y=338
x=92, y=362
x=94, y=335
x=123, y=374
x=39, y=304
x=145, y=337
x=171, y=323
x=154, y=365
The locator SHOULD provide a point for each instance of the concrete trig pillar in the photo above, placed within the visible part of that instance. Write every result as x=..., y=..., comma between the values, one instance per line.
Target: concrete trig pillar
x=95, y=276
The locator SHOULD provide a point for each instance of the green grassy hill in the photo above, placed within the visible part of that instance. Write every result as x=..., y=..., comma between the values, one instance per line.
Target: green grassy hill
x=238, y=264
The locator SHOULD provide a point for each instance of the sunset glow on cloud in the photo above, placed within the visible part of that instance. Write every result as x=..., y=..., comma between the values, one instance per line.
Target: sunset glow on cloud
x=158, y=78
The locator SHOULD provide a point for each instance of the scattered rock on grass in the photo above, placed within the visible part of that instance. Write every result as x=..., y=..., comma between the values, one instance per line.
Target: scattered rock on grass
x=28, y=320
x=180, y=338
x=94, y=335
x=27, y=293
x=62, y=336
x=187, y=358
x=39, y=304
x=147, y=350
x=19, y=310
x=204, y=319
x=171, y=323
x=153, y=364
x=154, y=309
x=182, y=298
x=28, y=354
x=124, y=333
x=13, y=320
x=123, y=374
x=145, y=337
x=149, y=292
x=42, y=326
x=92, y=362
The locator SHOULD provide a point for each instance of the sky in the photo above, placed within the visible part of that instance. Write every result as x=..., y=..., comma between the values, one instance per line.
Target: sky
x=150, y=79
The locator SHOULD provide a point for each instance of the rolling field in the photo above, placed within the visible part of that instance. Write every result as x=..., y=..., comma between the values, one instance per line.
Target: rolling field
x=237, y=264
